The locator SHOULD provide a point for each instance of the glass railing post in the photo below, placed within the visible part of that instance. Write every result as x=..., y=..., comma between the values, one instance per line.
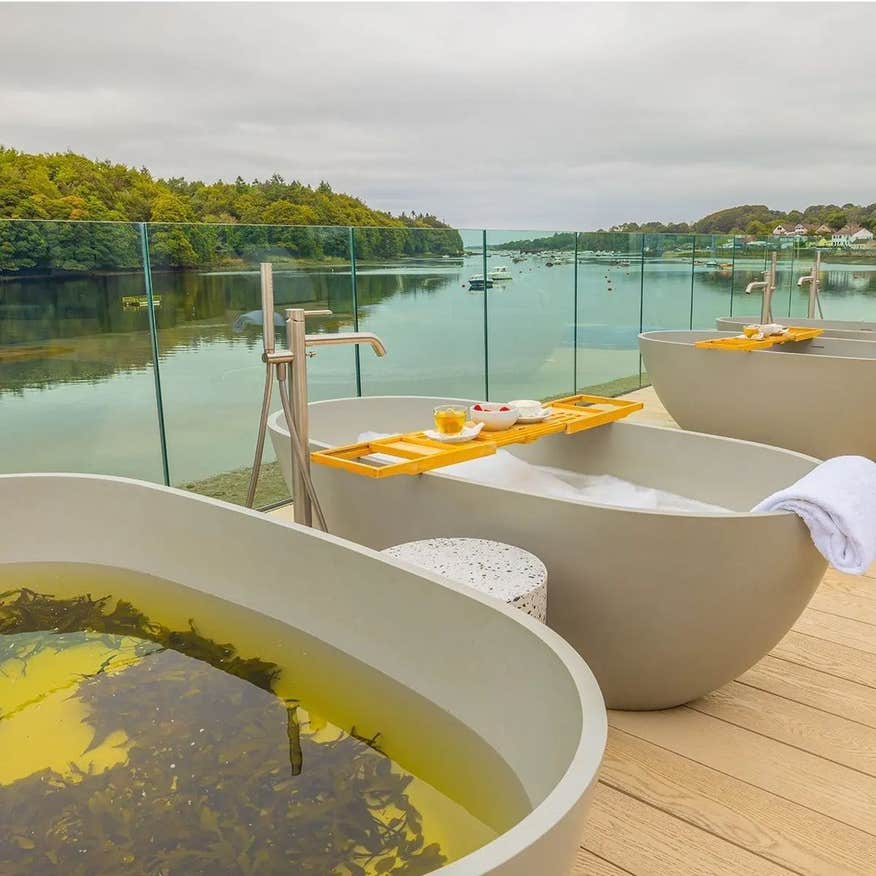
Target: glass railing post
x=732, y=274
x=693, y=253
x=486, y=333
x=355, y=296
x=153, y=336
x=791, y=276
x=575, y=322
x=641, y=297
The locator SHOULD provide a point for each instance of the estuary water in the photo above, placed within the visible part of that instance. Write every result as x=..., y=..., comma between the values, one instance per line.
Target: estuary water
x=77, y=375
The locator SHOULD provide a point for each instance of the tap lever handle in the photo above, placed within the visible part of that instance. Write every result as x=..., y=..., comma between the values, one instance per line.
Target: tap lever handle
x=299, y=315
x=267, y=290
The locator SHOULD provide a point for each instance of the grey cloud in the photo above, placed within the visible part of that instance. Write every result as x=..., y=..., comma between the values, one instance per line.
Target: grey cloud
x=529, y=115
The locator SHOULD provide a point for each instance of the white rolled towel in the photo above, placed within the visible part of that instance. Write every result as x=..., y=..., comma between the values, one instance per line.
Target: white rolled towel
x=837, y=501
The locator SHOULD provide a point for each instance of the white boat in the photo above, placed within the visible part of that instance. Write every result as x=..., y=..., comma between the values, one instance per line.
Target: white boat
x=477, y=282
x=501, y=273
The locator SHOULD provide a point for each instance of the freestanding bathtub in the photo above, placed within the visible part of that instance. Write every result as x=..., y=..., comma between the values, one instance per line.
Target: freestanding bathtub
x=833, y=328
x=490, y=667
x=664, y=606
x=815, y=396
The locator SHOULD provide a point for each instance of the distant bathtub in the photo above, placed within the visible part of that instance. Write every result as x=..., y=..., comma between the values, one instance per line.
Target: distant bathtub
x=816, y=396
x=509, y=679
x=664, y=605
x=833, y=328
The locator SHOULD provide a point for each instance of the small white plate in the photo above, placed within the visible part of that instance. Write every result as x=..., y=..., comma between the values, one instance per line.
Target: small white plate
x=467, y=434
x=543, y=414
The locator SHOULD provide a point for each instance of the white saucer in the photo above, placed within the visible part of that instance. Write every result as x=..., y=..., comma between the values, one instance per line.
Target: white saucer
x=467, y=434
x=542, y=416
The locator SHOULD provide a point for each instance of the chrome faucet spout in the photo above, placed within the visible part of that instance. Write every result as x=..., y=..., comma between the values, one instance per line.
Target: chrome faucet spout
x=755, y=284
x=338, y=338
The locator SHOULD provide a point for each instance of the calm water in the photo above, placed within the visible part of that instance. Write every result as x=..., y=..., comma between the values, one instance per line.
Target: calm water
x=84, y=398
x=197, y=737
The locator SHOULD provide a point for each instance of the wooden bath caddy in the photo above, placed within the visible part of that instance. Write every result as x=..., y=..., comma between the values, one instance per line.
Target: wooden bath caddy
x=417, y=453
x=794, y=333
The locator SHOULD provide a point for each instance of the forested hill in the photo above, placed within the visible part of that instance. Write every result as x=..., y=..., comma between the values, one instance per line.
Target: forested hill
x=748, y=219
x=758, y=219
x=66, y=186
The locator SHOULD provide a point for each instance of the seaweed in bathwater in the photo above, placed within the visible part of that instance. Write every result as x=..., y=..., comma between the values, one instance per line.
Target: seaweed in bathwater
x=219, y=775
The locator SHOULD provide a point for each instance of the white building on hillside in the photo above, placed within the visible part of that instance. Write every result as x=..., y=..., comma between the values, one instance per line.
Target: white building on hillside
x=786, y=229
x=850, y=234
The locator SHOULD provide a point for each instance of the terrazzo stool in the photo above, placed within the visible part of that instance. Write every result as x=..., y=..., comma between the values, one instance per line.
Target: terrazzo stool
x=501, y=570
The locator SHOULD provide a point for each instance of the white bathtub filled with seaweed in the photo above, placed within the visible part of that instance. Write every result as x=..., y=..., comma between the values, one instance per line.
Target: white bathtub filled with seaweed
x=191, y=687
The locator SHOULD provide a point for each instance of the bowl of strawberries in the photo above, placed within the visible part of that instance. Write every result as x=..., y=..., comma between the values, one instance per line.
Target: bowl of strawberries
x=493, y=415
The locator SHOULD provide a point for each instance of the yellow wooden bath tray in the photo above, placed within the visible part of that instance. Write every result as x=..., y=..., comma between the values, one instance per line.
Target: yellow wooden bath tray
x=415, y=453
x=794, y=333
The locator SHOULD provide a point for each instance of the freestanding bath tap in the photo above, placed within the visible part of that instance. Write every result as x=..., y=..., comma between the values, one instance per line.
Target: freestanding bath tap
x=812, y=278
x=768, y=284
x=292, y=364
x=298, y=341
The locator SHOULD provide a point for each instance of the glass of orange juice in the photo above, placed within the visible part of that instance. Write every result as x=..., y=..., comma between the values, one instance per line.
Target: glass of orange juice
x=449, y=419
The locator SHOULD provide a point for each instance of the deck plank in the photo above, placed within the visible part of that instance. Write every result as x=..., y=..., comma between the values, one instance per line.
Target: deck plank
x=807, y=842
x=661, y=845
x=829, y=736
x=588, y=864
x=807, y=779
x=862, y=586
x=841, y=630
x=828, y=657
x=845, y=602
x=837, y=696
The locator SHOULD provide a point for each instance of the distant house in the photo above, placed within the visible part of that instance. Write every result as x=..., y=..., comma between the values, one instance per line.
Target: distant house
x=824, y=229
x=850, y=234
x=786, y=229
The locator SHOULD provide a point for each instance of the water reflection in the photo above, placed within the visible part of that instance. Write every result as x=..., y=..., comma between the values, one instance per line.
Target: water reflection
x=70, y=329
x=76, y=355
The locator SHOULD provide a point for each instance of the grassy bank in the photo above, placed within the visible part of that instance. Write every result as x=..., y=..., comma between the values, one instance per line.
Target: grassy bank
x=231, y=486
x=613, y=388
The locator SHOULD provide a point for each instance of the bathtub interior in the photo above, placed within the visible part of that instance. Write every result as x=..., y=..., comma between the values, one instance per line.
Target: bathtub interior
x=403, y=629
x=735, y=475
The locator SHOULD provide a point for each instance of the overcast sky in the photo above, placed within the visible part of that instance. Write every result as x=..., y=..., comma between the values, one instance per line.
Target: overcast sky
x=505, y=115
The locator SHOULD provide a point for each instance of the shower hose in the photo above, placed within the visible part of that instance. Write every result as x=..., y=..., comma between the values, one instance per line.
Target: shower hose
x=295, y=441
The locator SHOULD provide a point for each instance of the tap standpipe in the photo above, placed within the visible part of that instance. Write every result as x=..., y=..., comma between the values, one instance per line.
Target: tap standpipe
x=766, y=307
x=266, y=278
x=296, y=341
x=812, y=279
x=768, y=284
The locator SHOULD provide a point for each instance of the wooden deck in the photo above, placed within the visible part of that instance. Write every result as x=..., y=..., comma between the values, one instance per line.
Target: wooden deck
x=773, y=774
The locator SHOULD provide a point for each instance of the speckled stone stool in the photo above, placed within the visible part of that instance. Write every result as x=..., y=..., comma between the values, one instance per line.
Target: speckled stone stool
x=500, y=570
